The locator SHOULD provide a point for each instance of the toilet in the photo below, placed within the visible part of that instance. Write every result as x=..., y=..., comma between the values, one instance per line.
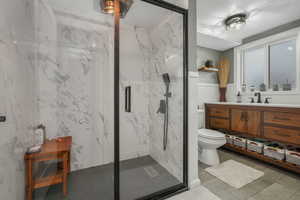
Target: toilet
x=208, y=142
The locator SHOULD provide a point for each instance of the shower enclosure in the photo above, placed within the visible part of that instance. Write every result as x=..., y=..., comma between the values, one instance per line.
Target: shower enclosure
x=115, y=83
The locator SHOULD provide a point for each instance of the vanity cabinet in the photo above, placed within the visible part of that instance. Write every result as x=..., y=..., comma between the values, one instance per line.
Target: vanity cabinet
x=281, y=124
x=277, y=124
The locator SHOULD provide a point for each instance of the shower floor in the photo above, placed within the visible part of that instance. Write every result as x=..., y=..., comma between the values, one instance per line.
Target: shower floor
x=139, y=177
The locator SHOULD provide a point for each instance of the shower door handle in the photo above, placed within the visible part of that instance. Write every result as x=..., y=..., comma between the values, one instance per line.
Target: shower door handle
x=128, y=99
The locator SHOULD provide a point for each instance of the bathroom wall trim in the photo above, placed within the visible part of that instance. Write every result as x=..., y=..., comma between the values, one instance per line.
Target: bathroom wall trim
x=182, y=186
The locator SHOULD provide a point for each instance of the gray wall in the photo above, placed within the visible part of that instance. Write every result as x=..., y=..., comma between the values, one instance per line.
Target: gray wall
x=204, y=54
x=273, y=31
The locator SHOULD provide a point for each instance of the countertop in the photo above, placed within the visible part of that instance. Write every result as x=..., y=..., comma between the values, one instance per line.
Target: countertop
x=257, y=104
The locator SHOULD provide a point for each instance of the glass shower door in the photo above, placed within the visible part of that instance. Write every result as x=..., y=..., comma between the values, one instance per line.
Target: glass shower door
x=152, y=101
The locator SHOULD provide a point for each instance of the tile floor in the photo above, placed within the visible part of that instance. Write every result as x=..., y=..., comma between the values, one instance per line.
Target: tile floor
x=276, y=184
x=199, y=193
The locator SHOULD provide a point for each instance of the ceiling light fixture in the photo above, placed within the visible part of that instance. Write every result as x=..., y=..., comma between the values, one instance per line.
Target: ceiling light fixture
x=107, y=6
x=235, y=22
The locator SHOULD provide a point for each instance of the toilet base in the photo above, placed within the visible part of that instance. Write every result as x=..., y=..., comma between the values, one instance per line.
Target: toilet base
x=209, y=157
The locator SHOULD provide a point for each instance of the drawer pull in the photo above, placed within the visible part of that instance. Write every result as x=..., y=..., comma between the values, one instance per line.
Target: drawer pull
x=281, y=118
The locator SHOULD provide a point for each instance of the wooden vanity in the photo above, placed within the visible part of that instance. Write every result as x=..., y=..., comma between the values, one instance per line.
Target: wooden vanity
x=275, y=123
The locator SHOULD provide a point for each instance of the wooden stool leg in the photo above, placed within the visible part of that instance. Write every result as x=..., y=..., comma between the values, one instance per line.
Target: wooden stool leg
x=69, y=162
x=65, y=173
x=29, y=182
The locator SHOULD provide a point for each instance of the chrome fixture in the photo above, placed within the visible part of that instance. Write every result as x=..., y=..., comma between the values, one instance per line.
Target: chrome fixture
x=251, y=99
x=235, y=21
x=166, y=79
x=164, y=109
x=108, y=6
x=267, y=100
x=258, y=95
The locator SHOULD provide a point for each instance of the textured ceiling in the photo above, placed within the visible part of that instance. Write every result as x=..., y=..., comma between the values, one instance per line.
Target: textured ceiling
x=263, y=15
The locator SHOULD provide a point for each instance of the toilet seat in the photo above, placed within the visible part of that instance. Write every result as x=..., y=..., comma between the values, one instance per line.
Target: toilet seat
x=210, y=134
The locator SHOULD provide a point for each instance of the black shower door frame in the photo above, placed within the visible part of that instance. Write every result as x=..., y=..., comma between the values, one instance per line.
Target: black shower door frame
x=184, y=185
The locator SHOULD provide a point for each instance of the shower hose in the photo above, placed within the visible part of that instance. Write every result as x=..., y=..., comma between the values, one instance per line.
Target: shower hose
x=166, y=120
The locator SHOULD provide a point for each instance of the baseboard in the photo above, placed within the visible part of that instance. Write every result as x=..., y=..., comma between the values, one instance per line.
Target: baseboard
x=195, y=183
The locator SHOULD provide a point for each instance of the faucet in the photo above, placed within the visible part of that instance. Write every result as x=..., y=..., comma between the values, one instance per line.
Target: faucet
x=258, y=94
x=267, y=100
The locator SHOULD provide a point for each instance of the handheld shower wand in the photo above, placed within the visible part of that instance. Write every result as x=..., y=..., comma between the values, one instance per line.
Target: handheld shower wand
x=164, y=109
x=166, y=79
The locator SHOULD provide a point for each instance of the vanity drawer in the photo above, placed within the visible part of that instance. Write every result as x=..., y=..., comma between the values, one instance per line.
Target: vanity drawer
x=284, y=119
x=282, y=134
x=219, y=112
x=216, y=123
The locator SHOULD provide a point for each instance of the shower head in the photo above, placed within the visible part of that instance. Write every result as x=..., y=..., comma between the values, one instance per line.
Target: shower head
x=166, y=79
x=125, y=5
x=108, y=6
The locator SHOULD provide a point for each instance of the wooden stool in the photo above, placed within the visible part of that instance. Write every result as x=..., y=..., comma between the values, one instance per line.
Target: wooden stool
x=58, y=149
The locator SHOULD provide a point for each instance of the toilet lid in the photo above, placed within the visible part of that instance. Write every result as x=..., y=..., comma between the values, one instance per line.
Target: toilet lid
x=208, y=133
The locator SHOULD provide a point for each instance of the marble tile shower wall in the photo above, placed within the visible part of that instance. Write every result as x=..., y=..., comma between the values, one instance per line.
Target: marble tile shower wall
x=76, y=87
x=17, y=91
x=167, y=57
x=56, y=68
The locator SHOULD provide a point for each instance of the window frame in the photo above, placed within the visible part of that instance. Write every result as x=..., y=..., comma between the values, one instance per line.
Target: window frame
x=243, y=62
x=269, y=65
x=266, y=43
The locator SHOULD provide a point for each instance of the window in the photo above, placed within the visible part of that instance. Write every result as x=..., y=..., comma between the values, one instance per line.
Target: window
x=283, y=63
x=254, y=67
x=271, y=66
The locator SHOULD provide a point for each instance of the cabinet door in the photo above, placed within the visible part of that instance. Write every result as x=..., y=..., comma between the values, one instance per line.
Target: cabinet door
x=253, y=122
x=238, y=120
x=245, y=121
